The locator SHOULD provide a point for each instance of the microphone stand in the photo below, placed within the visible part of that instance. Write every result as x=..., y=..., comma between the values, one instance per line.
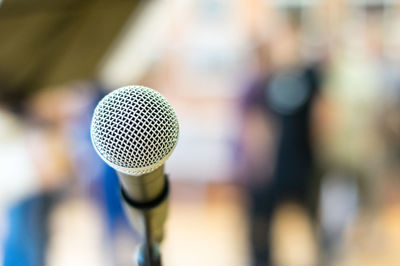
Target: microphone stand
x=147, y=211
x=149, y=252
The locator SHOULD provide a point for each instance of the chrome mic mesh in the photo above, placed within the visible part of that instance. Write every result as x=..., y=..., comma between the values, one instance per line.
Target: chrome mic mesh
x=134, y=129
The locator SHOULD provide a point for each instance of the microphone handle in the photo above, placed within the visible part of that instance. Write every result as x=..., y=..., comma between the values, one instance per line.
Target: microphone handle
x=143, y=188
x=145, y=201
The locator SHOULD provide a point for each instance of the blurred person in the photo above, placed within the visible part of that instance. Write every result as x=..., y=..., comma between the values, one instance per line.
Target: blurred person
x=255, y=155
x=349, y=142
x=18, y=178
x=27, y=238
x=71, y=107
x=64, y=171
x=276, y=153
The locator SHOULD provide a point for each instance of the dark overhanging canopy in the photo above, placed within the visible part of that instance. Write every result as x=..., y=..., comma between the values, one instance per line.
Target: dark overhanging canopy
x=45, y=42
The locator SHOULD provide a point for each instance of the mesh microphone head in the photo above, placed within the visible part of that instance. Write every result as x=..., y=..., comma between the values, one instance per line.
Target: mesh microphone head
x=134, y=129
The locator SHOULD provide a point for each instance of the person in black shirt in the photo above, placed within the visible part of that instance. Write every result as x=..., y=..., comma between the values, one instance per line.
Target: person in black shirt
x=285, y=98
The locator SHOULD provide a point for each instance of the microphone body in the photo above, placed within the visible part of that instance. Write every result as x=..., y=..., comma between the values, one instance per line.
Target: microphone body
x=145, y=201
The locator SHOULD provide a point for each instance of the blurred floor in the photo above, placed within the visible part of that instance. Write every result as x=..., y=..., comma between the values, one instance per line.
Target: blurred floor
x=206, y=228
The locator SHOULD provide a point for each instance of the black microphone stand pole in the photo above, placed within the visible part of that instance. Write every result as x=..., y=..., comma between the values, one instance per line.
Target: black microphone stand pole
x=149, y=252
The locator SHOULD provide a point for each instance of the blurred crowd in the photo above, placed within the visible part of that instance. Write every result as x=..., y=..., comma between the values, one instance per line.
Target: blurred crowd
x=289, y=149
x=52, y=177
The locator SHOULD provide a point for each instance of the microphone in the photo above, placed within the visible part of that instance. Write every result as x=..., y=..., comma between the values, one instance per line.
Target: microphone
x=134, y=130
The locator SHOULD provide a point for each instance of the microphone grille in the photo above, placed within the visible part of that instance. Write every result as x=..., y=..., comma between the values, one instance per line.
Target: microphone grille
x=134, y=129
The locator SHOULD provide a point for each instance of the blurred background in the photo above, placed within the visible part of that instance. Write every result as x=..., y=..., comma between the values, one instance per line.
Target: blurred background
x=289, y=146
